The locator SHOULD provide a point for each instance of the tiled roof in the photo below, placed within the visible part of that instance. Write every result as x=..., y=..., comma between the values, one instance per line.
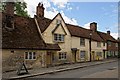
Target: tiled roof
x=106, y=37
x=43, y=23
x=82, y=32
x=24, y=36
x=76, y=30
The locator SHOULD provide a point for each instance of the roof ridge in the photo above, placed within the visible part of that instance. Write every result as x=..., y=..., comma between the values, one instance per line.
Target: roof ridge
x=78, y=26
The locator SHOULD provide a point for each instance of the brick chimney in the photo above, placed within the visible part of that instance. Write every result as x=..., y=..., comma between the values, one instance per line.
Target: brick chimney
x=9, y=10
x=9, y=18
x=108, y=32
x=40, y=10
x=93, y=26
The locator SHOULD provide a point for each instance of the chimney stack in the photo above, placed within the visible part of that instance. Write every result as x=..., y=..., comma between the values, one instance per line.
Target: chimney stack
x=9, y=10
x=93, y=26
x=108, y=32
x=40, y=10
x=9, y=18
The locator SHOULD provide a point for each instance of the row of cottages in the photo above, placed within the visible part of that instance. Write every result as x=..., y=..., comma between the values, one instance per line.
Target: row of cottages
x=41, y=42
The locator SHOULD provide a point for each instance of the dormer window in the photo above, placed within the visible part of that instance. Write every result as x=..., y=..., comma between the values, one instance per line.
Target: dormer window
x=58, y=21
x=58, y=37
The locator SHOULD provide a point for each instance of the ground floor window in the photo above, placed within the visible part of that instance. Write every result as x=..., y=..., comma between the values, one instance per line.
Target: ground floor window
x=99, y=54
x=82, y=54
x=112, y=53
x=116, y=53
x=30, y=55
x=62, y=55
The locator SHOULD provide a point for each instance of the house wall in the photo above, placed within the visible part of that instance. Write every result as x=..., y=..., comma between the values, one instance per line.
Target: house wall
x=49, y=38
x=76, y=44
x=11, y=61
x=112, y=47
x=98, y=49
x=70, y=42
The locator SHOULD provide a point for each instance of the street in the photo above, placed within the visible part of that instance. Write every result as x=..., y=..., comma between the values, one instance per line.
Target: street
x=108, y=70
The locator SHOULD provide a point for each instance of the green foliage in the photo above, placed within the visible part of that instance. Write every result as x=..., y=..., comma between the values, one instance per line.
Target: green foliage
x=1, y=6
x=20, y=8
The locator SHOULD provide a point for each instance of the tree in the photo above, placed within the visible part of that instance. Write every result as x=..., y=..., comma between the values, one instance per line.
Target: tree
x=20, y=8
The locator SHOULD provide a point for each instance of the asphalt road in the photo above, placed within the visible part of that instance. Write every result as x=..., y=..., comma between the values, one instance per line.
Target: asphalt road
x=108, y=70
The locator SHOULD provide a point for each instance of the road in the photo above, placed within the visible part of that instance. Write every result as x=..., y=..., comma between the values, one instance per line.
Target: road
x=108, y=70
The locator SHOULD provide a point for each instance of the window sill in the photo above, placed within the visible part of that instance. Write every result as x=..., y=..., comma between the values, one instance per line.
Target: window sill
x=59, y=41
x=98, y=46
x=30, y=59
x=82, y=45
x=62, y=59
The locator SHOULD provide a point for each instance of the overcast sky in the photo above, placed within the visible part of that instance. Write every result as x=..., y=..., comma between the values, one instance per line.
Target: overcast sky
x=105, y=14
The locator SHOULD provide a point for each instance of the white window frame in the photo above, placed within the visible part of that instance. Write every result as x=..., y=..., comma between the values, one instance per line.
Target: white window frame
x=82, y=41
x=99, y=54
x=82, y=56
x=59, y=37
x=30, y=57
x=104, y=44
x=62, y=55
x=98, y=44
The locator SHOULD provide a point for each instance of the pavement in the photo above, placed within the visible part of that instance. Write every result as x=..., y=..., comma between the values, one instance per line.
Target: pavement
x=42, y=71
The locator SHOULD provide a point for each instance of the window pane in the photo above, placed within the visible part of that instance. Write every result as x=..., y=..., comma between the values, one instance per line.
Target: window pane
x=103, y=43
x=30, y=55
x=26, y=55
x=99, y=54
x=82, y=54
x=58, y=37
x=55, y=37
x=98, y=44
x=59, y=55
x=82, y=41
x=109, y=43
x=62, y=37
x=34, y=57
x=62, y=55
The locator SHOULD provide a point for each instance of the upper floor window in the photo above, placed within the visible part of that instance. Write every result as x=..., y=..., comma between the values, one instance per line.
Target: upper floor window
x=103, y=43
x=59, y=37
x=58, y=21
x=30, y=55
x=82, y=42
x=109, y=43
x=116, y=44
x=98, y=44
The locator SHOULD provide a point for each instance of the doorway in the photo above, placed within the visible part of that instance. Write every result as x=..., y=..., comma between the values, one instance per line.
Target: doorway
x=93, y=55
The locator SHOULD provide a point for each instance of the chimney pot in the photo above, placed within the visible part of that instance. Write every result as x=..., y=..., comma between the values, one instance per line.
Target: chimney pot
x=93, y=26
x=40, y=10
x=108, y=32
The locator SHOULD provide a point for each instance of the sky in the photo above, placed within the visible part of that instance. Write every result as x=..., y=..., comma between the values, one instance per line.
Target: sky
x=105, y=14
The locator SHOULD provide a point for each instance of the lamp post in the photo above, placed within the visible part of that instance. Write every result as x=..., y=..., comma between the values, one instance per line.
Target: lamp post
x=90, y=46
